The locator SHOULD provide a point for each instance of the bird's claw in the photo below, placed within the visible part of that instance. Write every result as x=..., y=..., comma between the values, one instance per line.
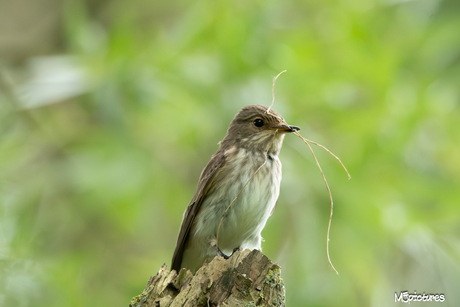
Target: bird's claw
x=220, y=253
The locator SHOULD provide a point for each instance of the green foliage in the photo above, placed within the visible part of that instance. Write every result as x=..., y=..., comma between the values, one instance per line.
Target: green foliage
x=93, y=182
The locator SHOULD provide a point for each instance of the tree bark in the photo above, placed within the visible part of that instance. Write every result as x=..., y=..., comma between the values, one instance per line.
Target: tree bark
x=247, y=278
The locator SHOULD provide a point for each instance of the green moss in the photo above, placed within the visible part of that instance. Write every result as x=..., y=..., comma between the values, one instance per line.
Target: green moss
x=278, y=301
x=141, y=298
x=134, y=301
x=274, y=280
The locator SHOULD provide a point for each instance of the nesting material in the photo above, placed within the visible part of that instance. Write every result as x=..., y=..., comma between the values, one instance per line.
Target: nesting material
x=308, y=142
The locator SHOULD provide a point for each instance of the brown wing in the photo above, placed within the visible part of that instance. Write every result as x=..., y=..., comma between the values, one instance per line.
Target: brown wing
x=206, y=178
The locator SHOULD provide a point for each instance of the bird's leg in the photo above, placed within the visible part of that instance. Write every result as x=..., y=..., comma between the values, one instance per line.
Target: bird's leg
x=220, y=253
x=235, y=250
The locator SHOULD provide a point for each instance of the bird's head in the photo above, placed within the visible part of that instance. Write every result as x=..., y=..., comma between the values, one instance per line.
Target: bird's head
x=257, y=128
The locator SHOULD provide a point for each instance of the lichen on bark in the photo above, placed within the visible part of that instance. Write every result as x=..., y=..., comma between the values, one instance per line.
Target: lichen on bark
x=247, y=278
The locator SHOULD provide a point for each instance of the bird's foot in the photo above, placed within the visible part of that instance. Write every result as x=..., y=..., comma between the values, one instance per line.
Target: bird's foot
x=220, y=253
x=235, y=250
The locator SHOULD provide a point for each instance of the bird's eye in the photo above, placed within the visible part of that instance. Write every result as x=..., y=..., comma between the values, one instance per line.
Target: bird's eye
x=258, y=123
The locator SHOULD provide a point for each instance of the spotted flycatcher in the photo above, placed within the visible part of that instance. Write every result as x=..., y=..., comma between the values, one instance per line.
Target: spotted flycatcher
x=240, y=186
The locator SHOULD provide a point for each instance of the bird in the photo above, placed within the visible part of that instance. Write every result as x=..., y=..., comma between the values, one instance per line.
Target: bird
x=237, y=190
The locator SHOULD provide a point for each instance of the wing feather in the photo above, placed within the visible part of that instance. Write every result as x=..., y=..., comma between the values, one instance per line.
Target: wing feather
x=206, y=178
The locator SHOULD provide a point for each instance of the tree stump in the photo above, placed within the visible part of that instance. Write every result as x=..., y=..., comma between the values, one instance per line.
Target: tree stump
x=247, y=278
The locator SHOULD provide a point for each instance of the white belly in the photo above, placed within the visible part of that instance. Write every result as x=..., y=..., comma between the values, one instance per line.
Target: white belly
x=244, y=220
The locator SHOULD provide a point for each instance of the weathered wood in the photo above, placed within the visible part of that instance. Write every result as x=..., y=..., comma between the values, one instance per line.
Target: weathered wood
x=247, y=278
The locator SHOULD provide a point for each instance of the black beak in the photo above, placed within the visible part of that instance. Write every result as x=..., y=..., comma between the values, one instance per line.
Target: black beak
x=294, y=128
x=286, y=129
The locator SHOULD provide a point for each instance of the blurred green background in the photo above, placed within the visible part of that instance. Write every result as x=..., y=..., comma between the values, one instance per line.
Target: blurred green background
x=109, y=110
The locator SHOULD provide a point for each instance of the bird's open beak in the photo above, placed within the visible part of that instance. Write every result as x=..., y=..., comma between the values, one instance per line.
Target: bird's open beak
x=286, y=129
